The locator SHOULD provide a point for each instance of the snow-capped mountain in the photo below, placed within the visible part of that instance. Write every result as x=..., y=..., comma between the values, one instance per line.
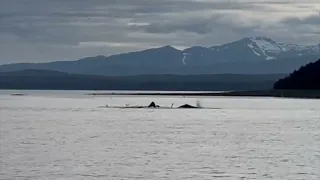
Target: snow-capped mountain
x=250, y=55
x=269, y=49
x=251, y=49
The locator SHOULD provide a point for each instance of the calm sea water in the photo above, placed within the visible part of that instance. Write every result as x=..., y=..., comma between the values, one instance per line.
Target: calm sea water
x=69, y=135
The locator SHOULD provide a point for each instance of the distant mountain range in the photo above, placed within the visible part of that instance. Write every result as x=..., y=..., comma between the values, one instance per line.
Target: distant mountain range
x=54, y=80
x=258, y=55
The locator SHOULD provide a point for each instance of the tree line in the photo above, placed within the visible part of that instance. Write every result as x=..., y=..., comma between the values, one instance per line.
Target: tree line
x=305, y=78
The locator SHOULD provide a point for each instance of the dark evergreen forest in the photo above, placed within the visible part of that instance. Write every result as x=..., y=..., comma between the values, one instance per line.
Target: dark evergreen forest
x=306, y=78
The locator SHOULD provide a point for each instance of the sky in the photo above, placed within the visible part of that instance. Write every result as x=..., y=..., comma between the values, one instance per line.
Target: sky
x=54, y=30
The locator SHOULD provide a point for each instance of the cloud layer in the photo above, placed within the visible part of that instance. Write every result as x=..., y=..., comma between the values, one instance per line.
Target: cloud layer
x=46, y=30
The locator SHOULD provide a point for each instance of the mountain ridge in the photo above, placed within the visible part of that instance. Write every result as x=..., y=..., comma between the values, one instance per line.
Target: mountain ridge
x=245, y=56
x=47, y=79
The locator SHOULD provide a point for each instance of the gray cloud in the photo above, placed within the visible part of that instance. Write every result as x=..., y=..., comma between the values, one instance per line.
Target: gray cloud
x=309, y=20
x=200, y=26
x=46, y=30
x=304, y=29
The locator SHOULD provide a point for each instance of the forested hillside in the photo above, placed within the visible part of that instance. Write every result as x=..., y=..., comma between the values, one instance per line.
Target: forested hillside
x=306, y=78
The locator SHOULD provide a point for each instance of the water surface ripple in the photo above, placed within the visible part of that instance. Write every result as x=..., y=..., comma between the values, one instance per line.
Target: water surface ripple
x=52, y=137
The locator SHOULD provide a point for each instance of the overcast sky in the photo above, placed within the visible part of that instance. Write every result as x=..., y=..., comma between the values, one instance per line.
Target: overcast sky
x=50, y=30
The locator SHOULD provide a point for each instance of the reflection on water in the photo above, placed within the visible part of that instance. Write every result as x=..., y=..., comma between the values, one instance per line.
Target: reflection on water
x=62, y=137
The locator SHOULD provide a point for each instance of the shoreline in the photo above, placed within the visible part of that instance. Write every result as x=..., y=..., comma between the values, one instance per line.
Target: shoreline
x=302, y=94
x=299, y=94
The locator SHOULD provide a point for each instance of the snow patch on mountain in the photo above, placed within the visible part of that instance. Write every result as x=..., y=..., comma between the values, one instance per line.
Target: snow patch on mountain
x=184, y=58
x=266, y=45
x=251, y=47
x=290, y=47
x=270, y=58
x=315, y=48
x=260, y=48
